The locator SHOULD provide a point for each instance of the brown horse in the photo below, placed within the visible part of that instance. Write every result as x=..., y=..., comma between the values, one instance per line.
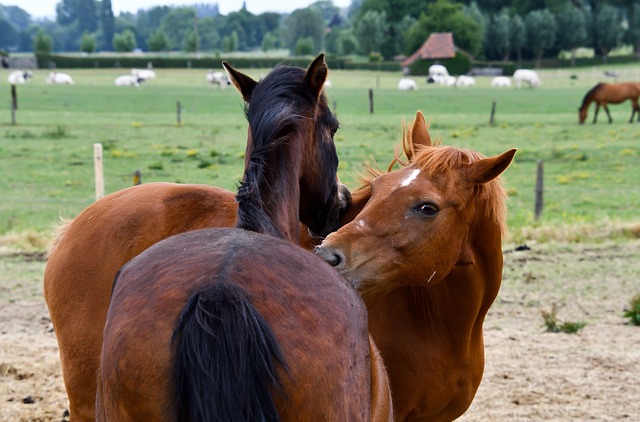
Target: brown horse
x=425, y=254
x=242, y=324
x=89, y=250
x=603, y=94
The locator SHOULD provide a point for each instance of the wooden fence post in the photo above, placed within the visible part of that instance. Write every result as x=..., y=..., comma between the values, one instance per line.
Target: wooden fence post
x=137, y=177
x=179, y=111
x=99, y=173
x=370, y=101
x=539, y=190
x=14, y=104
x=493, y=111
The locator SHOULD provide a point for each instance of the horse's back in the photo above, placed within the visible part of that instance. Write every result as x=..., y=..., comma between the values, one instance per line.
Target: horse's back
x=317, y=318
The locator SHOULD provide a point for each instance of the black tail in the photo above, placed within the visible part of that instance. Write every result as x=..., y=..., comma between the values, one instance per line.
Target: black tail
x=226, y=358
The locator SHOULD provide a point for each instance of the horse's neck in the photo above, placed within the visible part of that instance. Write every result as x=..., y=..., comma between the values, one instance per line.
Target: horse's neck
x=459, y=302
x=279, y=188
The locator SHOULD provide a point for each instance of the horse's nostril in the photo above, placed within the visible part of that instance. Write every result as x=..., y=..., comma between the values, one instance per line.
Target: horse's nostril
x=330, y=256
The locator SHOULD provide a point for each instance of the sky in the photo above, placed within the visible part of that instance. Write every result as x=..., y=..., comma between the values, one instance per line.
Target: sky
x=47, y=8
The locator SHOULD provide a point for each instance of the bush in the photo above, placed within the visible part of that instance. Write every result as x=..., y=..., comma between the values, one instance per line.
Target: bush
x=634, y=313
x=554, y=326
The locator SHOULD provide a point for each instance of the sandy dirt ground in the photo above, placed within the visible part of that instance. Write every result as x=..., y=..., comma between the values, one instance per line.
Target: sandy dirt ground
x=530, y=374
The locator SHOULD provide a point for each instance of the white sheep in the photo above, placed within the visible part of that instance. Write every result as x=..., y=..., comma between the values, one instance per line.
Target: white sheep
x=464, y=80
x=144, y=73
x=19, y=77
x=218, y=78
x=128, y=80
x=528, y=76
x=59, y=78
x=501, y=82
x=406, y=84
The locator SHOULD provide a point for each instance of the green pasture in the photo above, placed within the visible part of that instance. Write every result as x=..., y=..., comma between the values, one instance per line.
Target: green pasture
x=591, y=172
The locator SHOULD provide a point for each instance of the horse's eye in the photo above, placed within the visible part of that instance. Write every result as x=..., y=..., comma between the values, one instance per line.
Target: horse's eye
x=428, y=209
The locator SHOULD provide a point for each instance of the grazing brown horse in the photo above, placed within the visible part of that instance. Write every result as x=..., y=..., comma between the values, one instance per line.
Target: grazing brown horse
x=242, y=324
x=425, y=254
x=89, y=250
x=603, y=94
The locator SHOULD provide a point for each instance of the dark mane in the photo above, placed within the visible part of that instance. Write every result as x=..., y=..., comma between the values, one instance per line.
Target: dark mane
x=279, y=105
x=588, y=95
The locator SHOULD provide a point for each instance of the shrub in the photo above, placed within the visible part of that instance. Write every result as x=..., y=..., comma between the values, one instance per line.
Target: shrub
x=554, y=326
x=634, y=312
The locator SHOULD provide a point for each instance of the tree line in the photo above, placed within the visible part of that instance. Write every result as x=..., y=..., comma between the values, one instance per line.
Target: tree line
x=379, y=29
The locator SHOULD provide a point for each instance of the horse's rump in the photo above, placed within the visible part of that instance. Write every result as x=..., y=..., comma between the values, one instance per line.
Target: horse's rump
x=221, y=338
x=316, y=317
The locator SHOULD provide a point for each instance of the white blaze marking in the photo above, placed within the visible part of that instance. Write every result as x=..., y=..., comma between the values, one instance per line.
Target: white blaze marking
x=410, y=178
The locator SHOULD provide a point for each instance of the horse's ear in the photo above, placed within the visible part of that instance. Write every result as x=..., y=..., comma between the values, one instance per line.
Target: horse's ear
x=487, y=169
x=243, y=82
x=316, y=75
x=419, y=134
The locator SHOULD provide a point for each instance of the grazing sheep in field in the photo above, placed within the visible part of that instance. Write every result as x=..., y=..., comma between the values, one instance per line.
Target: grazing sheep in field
x=128, y=80
x=19, y=77
x=501, y=82
x=407, y=85
x=528, y=76
x=438, y=69
x=59, y=78
x=464, y=80
x=218, y=78
x=144, y=73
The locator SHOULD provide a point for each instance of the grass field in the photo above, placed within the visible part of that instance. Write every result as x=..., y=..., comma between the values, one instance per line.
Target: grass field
x=591, y=171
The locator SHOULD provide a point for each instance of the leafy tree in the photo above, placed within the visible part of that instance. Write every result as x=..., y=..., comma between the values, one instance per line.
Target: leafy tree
x=347, y=43
x=230, y=42
x=401, y=29
x=572, y=30
x=158, y=41
x=124, y=41
x=326, y=9
x=541, y=32
x=445, y=16
x=269, y=41
x=607, y=29
x=498, y=35
x=25, y=41
x=8, y=35
x=395, y=10
x=82, y=12
x=304, y=46
x=42, y=43
x=88, y=43
x=632, y=35
x=177, y=23
x=518, y=36
x=19, y=18
x=208, y=28
x=191, y=44
x=370, y=31
x=303, y=23
x=108, y=24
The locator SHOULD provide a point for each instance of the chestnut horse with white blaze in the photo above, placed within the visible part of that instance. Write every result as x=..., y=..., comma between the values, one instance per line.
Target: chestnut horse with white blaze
x=243, y=324
x=425, y=253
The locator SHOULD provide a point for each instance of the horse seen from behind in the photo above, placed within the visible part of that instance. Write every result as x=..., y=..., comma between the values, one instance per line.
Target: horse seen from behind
x=604, y=94
x=241, y=323
x=425, y=253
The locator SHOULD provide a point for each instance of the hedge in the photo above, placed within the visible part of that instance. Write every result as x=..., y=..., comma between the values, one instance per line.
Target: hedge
x=130, y=61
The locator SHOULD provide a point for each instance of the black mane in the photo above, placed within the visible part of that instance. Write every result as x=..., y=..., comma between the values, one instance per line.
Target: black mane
x=278, y=107
x=589, y=94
